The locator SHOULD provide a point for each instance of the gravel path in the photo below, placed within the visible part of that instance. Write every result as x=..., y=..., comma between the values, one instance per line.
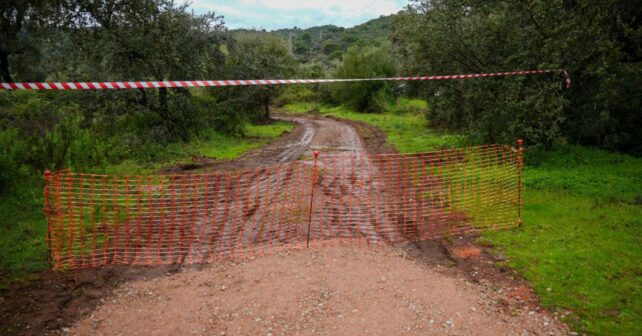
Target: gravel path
x=320, y=291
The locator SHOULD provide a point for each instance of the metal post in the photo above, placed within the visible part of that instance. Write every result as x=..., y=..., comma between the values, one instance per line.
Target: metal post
x=520, y=168
x=314, y=181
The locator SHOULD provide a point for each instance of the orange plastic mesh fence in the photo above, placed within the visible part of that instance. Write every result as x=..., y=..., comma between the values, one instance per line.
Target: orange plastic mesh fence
x=97, y=220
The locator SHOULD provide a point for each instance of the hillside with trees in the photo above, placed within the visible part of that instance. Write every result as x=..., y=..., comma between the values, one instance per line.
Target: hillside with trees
x=327, y=44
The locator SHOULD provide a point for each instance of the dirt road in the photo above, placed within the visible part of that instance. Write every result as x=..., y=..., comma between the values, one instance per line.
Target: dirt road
x=334, y=290
x=319, y=291
x=264, y=207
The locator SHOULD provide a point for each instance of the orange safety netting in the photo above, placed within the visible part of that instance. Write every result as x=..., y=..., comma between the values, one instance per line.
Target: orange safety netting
x=97, y=220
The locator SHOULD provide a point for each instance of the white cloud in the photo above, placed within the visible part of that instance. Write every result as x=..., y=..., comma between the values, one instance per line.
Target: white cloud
x=273, y=14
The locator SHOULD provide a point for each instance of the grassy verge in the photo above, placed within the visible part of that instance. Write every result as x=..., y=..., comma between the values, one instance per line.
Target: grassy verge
x=22, y=233
x=214, y=146
x=22, y=223
x=581, y=242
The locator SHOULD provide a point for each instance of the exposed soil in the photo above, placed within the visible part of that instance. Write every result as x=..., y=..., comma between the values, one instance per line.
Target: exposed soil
x=374, y=139
x=430, y=287
x=325, y=291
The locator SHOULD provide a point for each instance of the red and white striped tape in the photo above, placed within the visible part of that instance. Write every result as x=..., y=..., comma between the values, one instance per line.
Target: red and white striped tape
x=249, y=82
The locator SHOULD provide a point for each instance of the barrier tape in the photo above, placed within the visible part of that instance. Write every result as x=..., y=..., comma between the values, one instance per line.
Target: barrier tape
x=252, y=82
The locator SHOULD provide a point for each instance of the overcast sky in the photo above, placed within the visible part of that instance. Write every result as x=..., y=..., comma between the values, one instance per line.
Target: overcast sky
x=275, y=14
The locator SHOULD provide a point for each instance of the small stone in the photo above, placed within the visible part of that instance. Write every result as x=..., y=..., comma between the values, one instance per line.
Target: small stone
x=66, y=329
x=549, y=289
x=223, y=287
x=473, y=309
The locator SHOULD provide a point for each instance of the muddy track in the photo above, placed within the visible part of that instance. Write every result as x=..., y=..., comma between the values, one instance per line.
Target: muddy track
x=56, y=301
x=201, y=218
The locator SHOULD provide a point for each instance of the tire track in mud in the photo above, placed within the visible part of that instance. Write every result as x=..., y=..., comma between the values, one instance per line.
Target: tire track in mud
x=279, y=214
x=221, y=214
x=268, y=208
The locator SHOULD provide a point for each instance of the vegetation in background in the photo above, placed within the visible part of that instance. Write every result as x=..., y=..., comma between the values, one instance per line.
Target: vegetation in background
x=257, y=55
x=365, y=62
x=111, y=40
x=325, y=45
x=596, y=41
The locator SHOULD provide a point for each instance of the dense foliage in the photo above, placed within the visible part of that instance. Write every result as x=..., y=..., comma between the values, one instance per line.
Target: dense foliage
x=122, y=40
x=325, y=45
x=365, y=62
x=598, y=42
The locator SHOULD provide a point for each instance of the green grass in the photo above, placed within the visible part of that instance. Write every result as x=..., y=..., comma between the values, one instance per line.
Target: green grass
x=580, y=245
x=219, y=146
x=22, y=233
x=581, y=242
x=214, y=145
x=22, y=223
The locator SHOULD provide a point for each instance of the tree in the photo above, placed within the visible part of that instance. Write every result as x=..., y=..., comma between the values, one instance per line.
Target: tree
x=597, y=42
x=149, y=40
x=22, y=23
x=259, y=55
x=365, y=62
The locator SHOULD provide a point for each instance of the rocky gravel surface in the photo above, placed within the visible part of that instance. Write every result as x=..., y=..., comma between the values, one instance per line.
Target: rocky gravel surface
x=335, y=290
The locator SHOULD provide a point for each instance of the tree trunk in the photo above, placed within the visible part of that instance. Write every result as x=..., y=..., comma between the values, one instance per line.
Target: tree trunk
x=162, y=98
x=143, y=97
x=266, y=105
x=4, y=67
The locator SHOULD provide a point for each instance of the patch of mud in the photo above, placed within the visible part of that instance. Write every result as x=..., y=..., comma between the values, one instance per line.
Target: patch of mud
x=55, y=300
x=374, y=139
x=463, y=257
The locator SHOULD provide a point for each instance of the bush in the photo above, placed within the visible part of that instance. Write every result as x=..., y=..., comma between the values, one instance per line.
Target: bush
x=596, y=41
x=365, y=62
x=11, y=150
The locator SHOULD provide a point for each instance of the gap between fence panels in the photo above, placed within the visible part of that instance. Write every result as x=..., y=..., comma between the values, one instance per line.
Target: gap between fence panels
x=97, y=220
